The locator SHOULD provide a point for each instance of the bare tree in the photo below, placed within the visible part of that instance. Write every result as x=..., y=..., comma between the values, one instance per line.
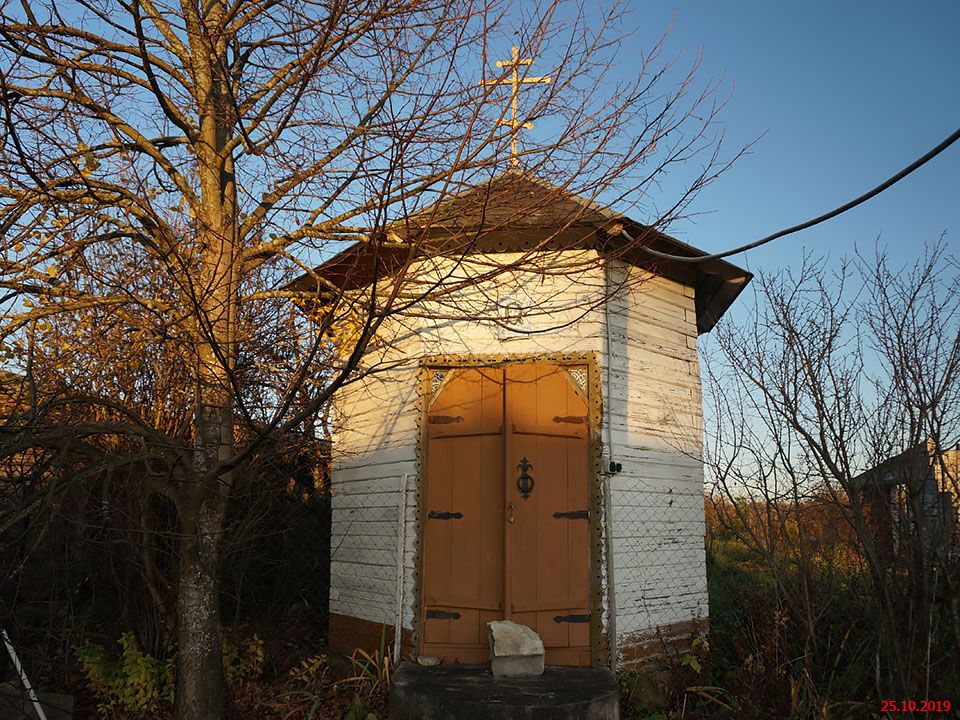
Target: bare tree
x=164, y=168
x=834, y=410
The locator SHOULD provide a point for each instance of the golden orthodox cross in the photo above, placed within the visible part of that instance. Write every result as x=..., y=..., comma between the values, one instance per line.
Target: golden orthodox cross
x=515, y=81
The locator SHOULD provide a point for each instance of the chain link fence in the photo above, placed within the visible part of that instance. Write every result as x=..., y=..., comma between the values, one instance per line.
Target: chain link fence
x=372, y=546
x=653, y=549
x=87, y=555
x=654, y=553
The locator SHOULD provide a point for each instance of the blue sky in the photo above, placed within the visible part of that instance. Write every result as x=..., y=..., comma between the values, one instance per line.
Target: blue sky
x=847, y=93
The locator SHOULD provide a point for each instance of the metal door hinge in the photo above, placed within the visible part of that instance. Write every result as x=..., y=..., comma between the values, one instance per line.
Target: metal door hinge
x=572, y=618
x=573, y=515
x=444, y=515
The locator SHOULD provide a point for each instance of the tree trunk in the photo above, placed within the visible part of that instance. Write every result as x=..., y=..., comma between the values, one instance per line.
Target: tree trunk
x=200, y=690
x=200, y=679
x=200, y=682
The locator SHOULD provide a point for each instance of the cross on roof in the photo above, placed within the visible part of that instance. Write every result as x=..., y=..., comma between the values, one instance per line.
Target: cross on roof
x=515, y=81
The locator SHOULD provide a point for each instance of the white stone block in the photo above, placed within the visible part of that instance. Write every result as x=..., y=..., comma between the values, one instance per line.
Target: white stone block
x=515, y=650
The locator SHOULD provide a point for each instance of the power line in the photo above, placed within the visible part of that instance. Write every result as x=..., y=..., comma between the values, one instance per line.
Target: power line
x=817, y=220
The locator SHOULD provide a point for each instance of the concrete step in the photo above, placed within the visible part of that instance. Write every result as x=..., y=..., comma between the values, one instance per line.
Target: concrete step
x=468, y=692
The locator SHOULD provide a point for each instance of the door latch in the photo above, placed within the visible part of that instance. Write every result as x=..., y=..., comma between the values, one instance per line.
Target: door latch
x=525, y=482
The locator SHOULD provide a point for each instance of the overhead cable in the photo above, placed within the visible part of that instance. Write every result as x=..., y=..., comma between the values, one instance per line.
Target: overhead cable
x=815, y=221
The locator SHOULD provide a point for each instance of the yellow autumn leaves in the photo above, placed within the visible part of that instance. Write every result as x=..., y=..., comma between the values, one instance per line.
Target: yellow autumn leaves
x=90, y=161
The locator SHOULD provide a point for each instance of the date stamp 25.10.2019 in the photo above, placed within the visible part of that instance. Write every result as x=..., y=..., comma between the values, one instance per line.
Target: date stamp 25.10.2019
x=915, y=706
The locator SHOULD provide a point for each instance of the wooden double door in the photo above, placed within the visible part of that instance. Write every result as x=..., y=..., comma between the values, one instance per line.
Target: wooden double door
x=507, y=519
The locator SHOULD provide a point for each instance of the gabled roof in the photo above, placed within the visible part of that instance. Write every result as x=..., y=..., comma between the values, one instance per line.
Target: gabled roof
x=916, y=464
x=514, y=212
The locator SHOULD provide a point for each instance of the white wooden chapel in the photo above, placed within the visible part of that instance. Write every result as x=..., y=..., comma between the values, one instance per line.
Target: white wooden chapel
x=544, y=423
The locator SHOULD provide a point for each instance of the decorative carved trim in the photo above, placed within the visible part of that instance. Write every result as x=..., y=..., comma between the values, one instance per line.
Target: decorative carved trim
x=447, y=362
x=512, y=311
x=436, y=380
x=579, y=377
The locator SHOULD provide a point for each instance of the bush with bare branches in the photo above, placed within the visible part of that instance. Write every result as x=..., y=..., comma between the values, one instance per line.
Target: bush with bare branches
x=834, y=413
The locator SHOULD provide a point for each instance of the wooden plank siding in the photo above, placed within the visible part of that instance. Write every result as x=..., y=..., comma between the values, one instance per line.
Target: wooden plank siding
x=654, y=410
x=652, y=407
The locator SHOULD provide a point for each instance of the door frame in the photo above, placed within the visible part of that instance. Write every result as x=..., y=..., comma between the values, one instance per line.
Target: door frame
x=432, y=363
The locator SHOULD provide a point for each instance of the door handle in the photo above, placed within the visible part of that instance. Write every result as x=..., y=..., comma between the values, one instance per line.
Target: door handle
x=525, y=483
x=510, y=508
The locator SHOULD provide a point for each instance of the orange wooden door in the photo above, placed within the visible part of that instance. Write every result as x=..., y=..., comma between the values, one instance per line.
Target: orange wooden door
x=463, y=527
x=548, y=541
x=495, y=547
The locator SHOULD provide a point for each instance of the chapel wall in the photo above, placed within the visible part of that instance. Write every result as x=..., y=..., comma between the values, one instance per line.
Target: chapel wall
x=374, y=448
x=654, y=407
x=375, y=433
x=652, y=403
x=527, y=311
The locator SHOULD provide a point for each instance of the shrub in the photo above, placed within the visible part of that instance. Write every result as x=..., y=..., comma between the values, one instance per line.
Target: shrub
x=134, y=682
x=242, y=665
x=139, y=682
x=358, y=711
